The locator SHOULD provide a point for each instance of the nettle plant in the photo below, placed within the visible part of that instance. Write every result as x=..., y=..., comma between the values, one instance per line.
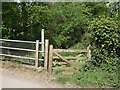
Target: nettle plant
x=105, y=39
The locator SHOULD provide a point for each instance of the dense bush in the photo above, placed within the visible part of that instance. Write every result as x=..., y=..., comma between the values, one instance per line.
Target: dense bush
x=103, y=69
x=105, y=39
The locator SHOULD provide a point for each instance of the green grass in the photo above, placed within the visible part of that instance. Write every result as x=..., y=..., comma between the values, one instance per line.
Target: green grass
x=96, y=78
x=63, y=79
x=91, y=78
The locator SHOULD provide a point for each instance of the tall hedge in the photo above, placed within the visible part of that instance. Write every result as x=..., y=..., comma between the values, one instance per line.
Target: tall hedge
x=105, y=39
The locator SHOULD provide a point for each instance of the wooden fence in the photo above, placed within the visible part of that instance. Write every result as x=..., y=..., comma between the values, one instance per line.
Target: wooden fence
x=47, y=52
x=56, y=52
x=36, y=51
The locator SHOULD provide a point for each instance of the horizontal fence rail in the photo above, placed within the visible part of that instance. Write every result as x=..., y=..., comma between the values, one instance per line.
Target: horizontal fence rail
x=67, y=50
x=70, y=57
x=8, y=40
x=21, y=49
x=20, y=57
x=67, y=60
x=36, y=51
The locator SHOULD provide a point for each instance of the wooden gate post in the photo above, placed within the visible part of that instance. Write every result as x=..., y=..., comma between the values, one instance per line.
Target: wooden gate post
x=88, y=52
x=37, y=53
x=46, y=54
x=42, y=40
x=50, y=58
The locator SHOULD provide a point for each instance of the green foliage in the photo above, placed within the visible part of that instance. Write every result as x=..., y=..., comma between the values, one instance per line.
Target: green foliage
x=67, y=24
x=96, y=78
x=71, y=25
x=105, y=38
x=63, y=22
x=107, y=75
x=114, y=9
x=95, y=9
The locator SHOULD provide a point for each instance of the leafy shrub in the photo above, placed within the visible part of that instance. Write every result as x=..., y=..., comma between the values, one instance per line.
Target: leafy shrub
x=105, y=39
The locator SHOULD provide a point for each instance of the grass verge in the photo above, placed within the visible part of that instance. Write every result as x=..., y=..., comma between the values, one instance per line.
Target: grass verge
x=97, y=78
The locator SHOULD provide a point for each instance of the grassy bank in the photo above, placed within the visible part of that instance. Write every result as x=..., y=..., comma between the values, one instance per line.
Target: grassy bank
x=99, y=77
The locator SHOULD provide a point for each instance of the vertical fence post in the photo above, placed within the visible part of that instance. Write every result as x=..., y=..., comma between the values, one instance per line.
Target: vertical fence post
x=50, y=58
x=88, y=52
x=37, y=53
x=46, y=54
x=42, y=40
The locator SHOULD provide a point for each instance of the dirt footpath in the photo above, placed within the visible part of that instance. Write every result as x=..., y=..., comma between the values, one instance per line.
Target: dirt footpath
x=19, y=77
x=16, y=81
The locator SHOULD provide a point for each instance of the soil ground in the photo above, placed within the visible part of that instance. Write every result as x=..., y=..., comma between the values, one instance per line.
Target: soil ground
x=19, y=76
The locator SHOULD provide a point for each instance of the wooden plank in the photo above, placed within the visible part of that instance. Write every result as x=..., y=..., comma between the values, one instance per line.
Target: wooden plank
x=50, y=58
x=21, y=49
x=62, y=58
x=79, y=55
x=68, y=62
x=17, y=41
x=8, y=40
x=70, y=57
x=46, y=54
x=42, y=43
x=41, y=59
x=64, y=63
x=20, y=57
x=37, y=53
x=66, y=50
x=64, y=68
x=42, y=40
x=41, y=51
x=16, y=56
x=89, y=52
